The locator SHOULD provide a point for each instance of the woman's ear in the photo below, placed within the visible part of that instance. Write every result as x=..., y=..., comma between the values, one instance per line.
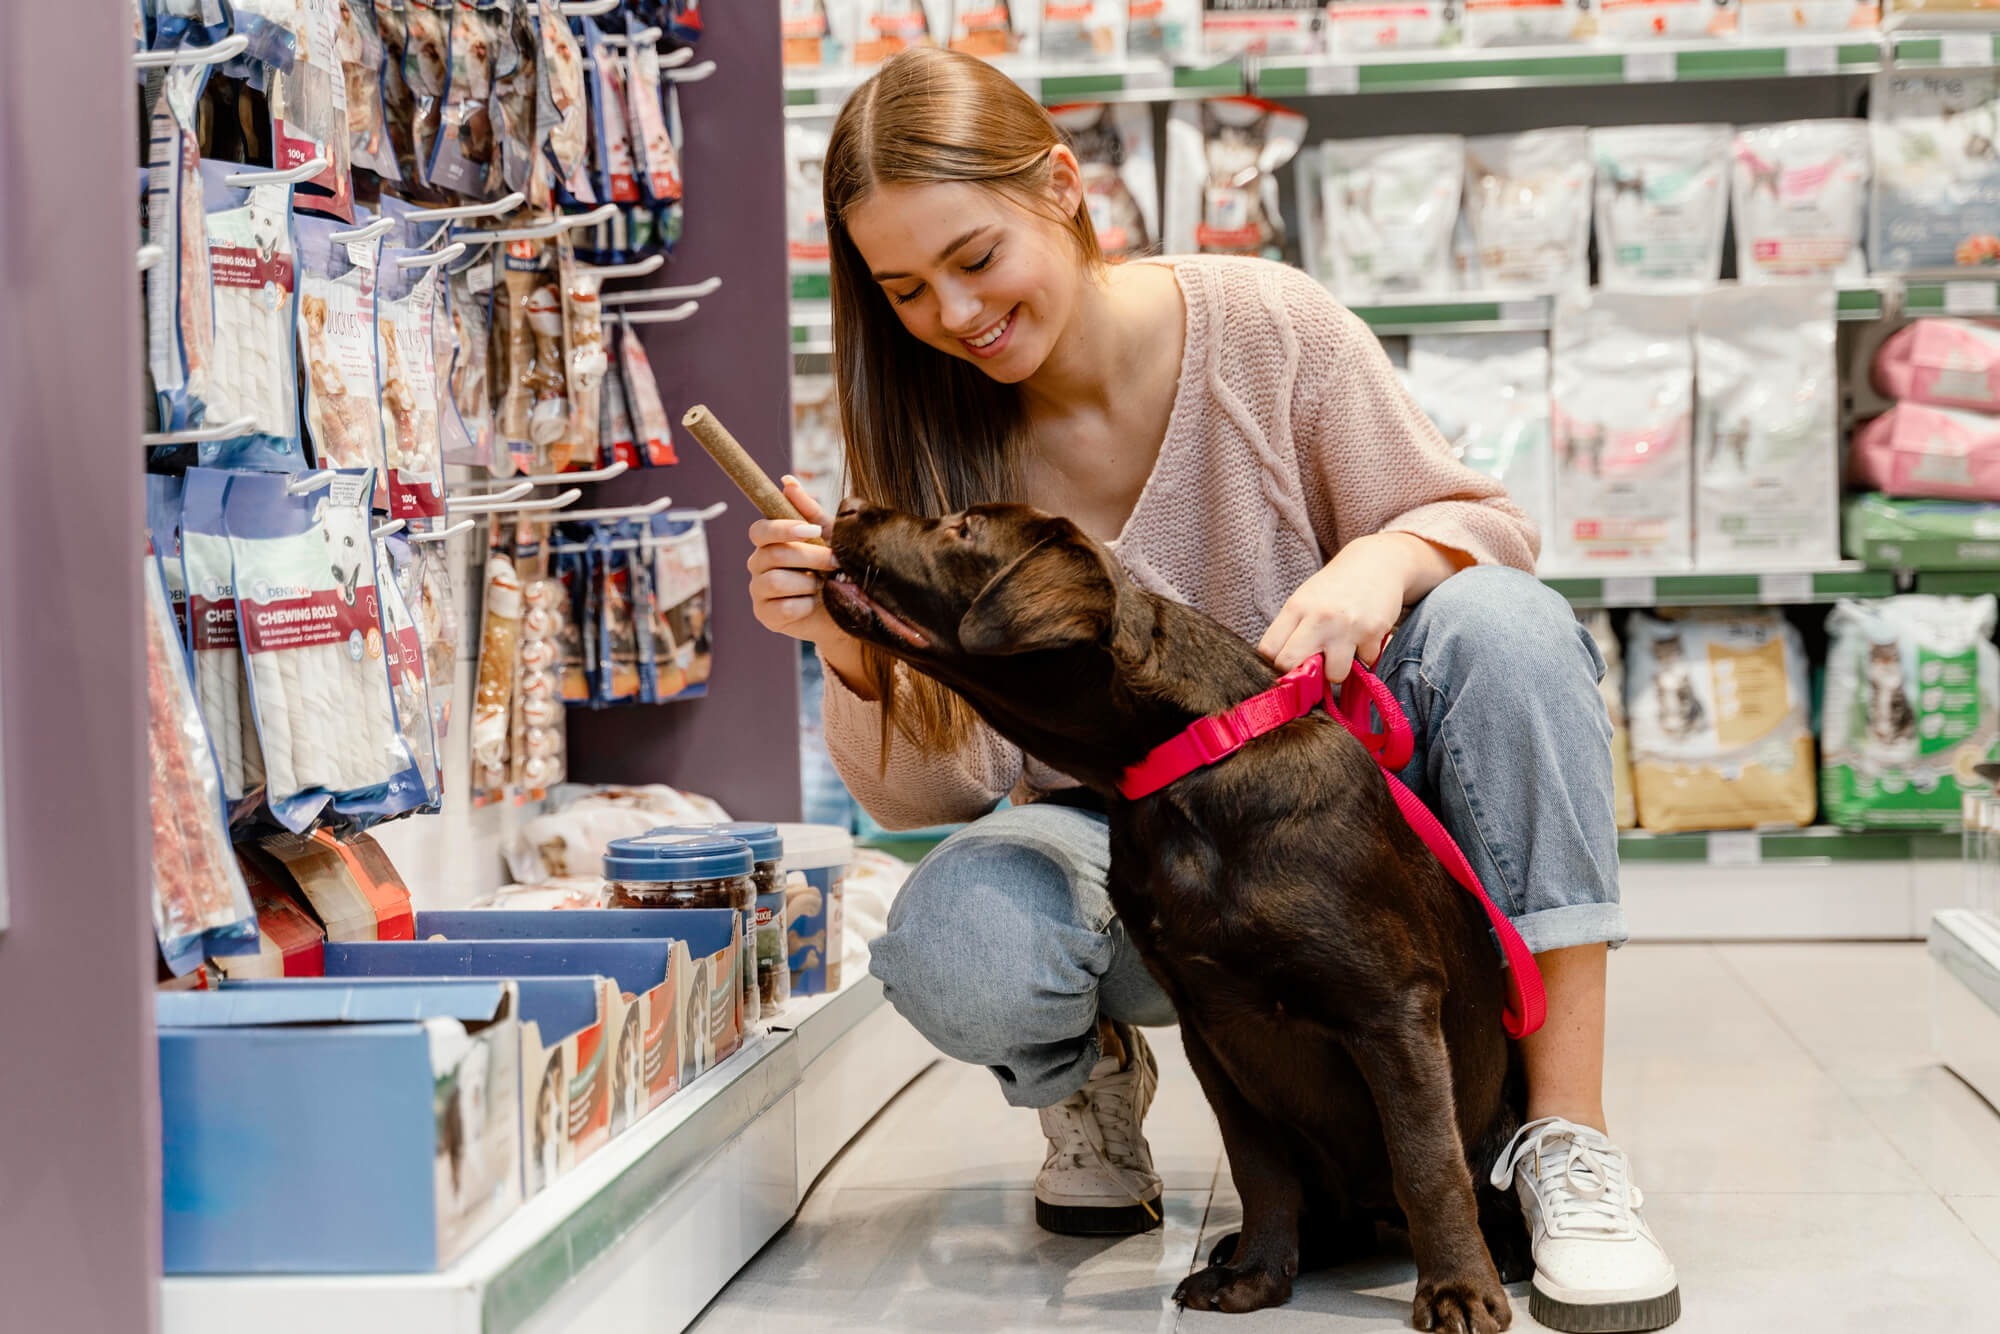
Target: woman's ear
x=1065, y=180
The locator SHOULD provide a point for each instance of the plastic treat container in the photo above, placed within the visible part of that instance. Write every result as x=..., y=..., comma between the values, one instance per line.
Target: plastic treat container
x=816, y=861
x=688, y=871
x=774, y=974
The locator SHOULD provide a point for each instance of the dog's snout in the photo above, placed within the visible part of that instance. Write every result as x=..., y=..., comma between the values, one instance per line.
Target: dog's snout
x=850, y=506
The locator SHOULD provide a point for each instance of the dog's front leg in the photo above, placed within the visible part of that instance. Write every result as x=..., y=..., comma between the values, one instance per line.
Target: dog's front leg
x=1402, y=1056
x=1266, y=1259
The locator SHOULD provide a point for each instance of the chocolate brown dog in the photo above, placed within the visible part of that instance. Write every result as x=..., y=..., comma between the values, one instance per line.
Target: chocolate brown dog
x=1338, y=995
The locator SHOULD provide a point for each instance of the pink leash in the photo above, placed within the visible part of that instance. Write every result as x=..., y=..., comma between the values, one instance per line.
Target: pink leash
x=1209, y=740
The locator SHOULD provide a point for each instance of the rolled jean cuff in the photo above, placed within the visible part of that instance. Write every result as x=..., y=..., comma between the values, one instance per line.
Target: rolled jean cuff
x=1573, y=924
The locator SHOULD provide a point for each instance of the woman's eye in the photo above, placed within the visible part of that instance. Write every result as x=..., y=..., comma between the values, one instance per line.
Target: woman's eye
x=905, y=298
x=982, y=261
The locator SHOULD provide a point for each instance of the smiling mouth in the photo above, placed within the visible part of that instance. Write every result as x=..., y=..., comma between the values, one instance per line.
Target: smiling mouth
x=856, y=600
x=992, y=335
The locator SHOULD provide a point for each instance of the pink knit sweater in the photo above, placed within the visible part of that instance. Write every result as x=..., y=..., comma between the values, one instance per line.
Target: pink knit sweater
x=1289, y=435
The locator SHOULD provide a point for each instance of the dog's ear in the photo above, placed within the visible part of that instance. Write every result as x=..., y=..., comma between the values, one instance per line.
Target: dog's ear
x=1056, y=595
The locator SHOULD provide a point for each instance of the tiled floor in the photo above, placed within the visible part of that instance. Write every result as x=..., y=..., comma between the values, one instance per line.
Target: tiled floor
x=1807, y=1165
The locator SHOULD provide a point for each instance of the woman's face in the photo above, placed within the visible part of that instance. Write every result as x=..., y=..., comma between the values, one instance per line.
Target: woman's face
x=973, y=273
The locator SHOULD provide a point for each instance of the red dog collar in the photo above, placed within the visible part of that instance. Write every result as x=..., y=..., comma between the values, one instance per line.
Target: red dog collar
x=1298, y=692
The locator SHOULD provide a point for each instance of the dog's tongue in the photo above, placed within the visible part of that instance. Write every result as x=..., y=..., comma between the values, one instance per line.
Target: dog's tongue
x=894, y=624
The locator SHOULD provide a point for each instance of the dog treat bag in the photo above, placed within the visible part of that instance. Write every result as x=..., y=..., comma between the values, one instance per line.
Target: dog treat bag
x=576, y=645
x=678, y=549
x=469, y=154
x=180, y=311
x=1525, y=22
x=1223, y=158
x=1527, y=211
x=1079, y=31
x=1759, y=18
x=584, y=364
x=336, y=345
x=409, y=676
x=1720, y=721
x=427, y=72
x=1937, y=173
x=658, y=161
x=617, y=169
x=423, y=576
x=163, y=534
x=539, y=738
x=561, y=109
x=1380, y=214
x=617, y=634
x=1488, y=395
x=888, y=26
x=1767, y=438
x=644, y=606
x=309, y=104
x=493, y=689
x=1612, y=687
x=1260, y=28
x=406, y=347
x=359, y=42
x=992, y=28
x=309, y=616
x=251, y=265
x=1642, y=20
x=1162, y=29
x=1662, y=200
x=649, y=415
x=468, y=409
x=1912, y=706
x=1621, y=418
x=1114, y=145
x=1800, y=192
x=221, y=677
x=615, y=439
x=1377, y=25
x=399, y=106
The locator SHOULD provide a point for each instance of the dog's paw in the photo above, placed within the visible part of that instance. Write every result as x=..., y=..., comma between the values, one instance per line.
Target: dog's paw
x=1221, y=1288
x=1462, y=1306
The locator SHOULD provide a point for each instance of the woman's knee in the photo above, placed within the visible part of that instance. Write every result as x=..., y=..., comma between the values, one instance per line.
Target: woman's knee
x=1493, y=618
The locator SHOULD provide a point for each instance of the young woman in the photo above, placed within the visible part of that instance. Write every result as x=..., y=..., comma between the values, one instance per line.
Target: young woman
x=1242, y=444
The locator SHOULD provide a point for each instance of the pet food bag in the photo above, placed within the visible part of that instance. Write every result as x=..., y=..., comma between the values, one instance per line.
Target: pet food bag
x=585, y=360
x=1662, y=200
x=1525, y=22
x=1720, y=722
x=1800, y=191
x=1762, y=18
x=654, y=437
x=1937, y=173
x=215, y=650
x=1488, y=395
x=1082, y=31
x=994, y=28
x=1671, y=20
x=1621, y=417
x=562, y=110
x=1388, y=25
x=1527, y=211
x=1379, y=214
x=1919, y=451
x=1223, y=159
x=1612, y=687
x=805, y=201
x=308, y=612
x=1889, y=534
x=468, y=409
x=1232, y=28
x=612, y=554
x=1162, y=29
x=888, y=26
x=406, y=355
x=1767, y=440
x=1912, y=705
x=1114, y=145
x=1946, y=363
x=180, y=307
x=338, y=357
x=658, y=160
x=493, y=687
x=309, y=104
x=814, y=33
x=359, y=43
x=683, y=649
x=424, y=577
x=250, y=263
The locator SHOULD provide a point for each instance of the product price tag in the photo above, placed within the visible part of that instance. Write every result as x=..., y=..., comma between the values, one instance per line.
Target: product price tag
x=1957, y=50
x=1736, y=847
x=361, y=254
x=1971, y=298
x=1149, y=79
x=1332, y=80
x=1805, y=61
x=1649, y=67
x=479, y=280
x=1788, y=587
x=1629, y=590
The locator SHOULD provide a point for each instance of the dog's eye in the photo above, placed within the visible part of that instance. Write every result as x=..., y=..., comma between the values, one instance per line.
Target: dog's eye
x=964, y=529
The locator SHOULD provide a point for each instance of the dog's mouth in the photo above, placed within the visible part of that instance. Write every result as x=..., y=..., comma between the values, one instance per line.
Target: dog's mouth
x=859, y=603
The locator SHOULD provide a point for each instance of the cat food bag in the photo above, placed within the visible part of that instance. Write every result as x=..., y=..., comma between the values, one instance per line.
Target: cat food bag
x=180, y=308
x=215, y=648
x=1672, y=20
x=1720, y=720
x=805, y=197
x=1889, y=534
x=359, y=42
x=1621, y=418
x=406, y=351
x=1767, y=440
x=338, y=359
x=1380, y=213
x=1080, y=31
x=308, y=612
x=409, y=675
x=1612, y=687
x=885, y=27
x=1662, y=200
x=814, y=33
x=994, y=28
x=1382, y=25
x=1114, y=145
x=251, y=264
x=1223, y=160
x=1912, y=706
x=1760, y=18
x=1527, y=211
x=1162, y=29
x=1947, y=363
x=1231, y=28
x=1937, y=172
x=649, y=416
x=1800, y=192
x=1525, y=22
x=1488, y=395
x=1919, y=451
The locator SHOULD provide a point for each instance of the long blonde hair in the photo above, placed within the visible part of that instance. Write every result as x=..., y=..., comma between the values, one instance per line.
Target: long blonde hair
x=927, y=432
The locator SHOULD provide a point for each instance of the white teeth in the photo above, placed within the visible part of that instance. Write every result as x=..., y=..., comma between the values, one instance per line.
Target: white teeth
x=992, y=335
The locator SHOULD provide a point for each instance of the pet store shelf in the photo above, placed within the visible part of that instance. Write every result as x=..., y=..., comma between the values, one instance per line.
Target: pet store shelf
x=1820, y=844
x=1951, y=296
x=1465, y=312
x=1771, y=588
x=647, y=1230
x=1958, y=583
x=1947, y=50
x=812, y=93
x=1965, y=996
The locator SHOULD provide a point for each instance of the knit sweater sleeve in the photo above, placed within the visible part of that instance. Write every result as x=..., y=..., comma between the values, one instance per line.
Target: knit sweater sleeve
x=915, y=789
x=1372, y=462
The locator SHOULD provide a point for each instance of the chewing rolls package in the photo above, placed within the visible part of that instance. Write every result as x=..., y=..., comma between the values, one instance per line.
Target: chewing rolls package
x=1621, y=418
x=361, y=57
x=1758, y=18
x=1162, y=29
x=1527, y=211
x=1525, y=22
x=1379, y=214
x=1114, y=145
x=1946, y=363
x=1223, y=159
x=1662, y=201
x=251, y=264
x=180, y=313
x=1919, y=451
x=1767, y=443
x=200, y=904
x=991, y=28
x=682, y=650
x=215, y=648
x=1937, y=175
x=309, y=616
x=1912, y=706
x=1378, y=25
x=1083, y=30
x=493, y=688
x=884, y=27
x=1611, y=686
x=406, y=353
x=163, y=536
x=1641, y=20
x=1261, y=28
x=1488, y=395
x=1720, y=719
x=1800, y=193
x=409, y=677
x=336, y=342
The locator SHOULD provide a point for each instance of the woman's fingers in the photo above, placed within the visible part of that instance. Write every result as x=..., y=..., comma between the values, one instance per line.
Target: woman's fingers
x=1279, y=635
x=788, y=555
x=785, y=584
x=795, y=492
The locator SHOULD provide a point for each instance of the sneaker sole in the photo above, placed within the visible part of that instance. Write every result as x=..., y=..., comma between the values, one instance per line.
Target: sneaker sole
x=1072, y=1220
x=1606, y=1317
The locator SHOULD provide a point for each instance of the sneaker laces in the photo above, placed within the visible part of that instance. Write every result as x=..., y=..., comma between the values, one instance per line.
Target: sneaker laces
x=1084, y=1135
x=1583, y=1181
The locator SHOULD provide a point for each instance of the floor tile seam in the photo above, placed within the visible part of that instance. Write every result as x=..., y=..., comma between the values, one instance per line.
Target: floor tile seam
x=1992, y=1247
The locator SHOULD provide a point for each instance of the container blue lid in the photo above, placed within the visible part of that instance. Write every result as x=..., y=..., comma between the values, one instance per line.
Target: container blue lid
x=658, y=856
x=766, y=843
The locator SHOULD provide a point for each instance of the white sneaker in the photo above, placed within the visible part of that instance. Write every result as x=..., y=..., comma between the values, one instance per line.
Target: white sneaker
x=1598, y=1267
x=1098, y=1179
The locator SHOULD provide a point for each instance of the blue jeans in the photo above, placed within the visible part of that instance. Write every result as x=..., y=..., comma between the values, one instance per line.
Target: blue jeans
x=1003, y=948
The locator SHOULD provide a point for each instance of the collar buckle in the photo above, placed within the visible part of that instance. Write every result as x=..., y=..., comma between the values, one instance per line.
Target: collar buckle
x=1217, y=736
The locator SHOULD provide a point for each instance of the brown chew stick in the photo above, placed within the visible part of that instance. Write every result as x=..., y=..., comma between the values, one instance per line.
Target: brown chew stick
x=735, y=461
